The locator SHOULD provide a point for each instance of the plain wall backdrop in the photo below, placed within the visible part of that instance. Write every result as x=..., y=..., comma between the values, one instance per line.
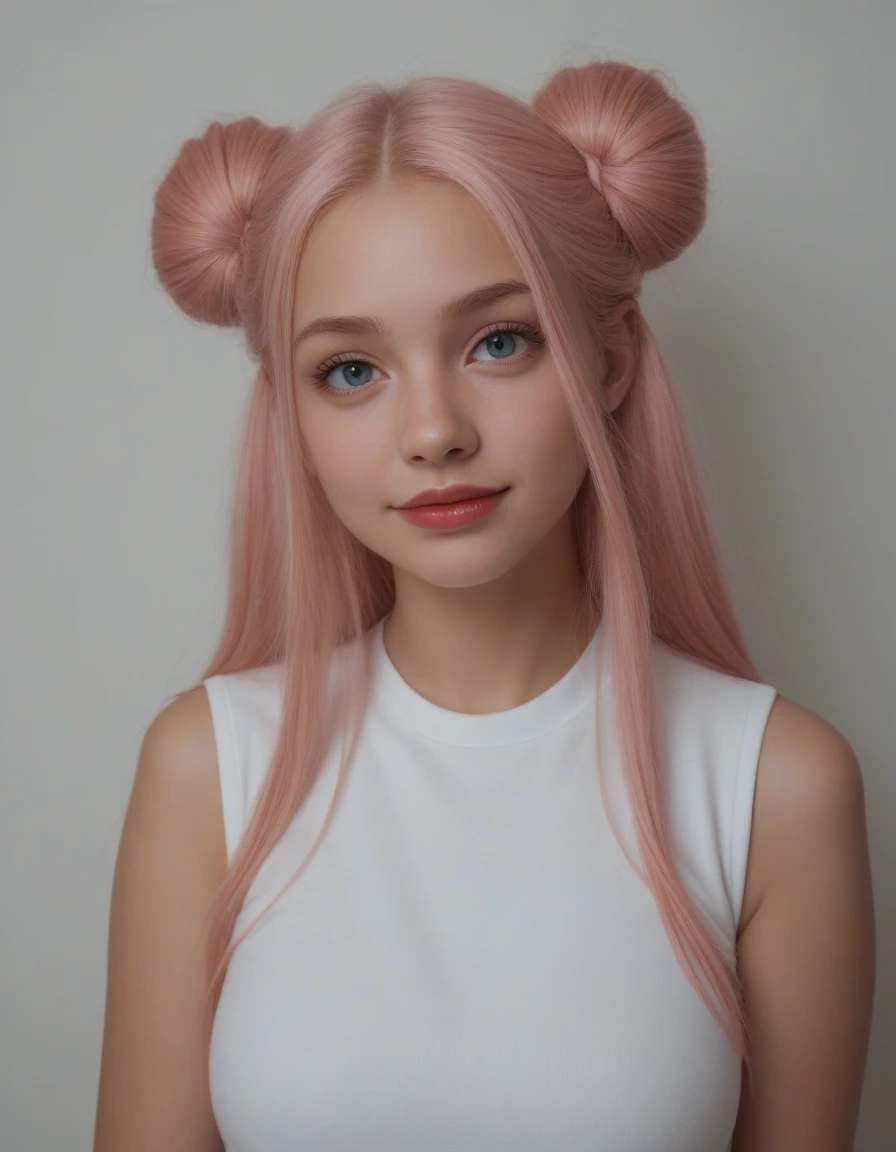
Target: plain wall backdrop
x=120, y=417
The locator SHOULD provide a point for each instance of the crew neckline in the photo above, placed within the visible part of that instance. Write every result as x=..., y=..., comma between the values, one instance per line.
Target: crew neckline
x=536, y=717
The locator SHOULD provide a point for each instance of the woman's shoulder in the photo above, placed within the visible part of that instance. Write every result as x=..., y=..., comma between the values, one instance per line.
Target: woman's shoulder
x=804, y=765
x=174, y=808
x=180, y=739
x=808, y=783
x=178, y=765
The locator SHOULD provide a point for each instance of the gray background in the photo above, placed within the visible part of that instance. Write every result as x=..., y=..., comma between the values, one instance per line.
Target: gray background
x=119, y=417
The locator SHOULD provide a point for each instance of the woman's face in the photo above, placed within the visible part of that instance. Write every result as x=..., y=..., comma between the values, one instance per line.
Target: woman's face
x=425, y=396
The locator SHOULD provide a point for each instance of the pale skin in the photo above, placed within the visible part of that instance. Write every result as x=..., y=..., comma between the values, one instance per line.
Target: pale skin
x=498, y=605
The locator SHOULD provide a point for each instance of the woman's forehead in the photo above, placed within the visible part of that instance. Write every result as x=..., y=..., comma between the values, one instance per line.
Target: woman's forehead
x=391, y=248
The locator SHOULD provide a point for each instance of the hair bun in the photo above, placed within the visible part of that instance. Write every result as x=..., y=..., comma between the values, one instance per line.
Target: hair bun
x=201, y=209
x=642, y=149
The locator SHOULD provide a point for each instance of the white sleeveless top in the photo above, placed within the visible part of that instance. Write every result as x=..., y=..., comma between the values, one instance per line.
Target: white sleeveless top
x=469, y=963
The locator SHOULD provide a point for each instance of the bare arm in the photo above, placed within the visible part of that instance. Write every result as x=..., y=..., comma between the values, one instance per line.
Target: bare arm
x=153, y=1088
x=806, y=953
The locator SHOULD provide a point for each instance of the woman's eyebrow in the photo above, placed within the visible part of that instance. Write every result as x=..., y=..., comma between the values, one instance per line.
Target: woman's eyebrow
x=453, y=310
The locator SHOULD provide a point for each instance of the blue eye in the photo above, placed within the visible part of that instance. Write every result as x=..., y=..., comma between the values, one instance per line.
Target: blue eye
x=350, y=372
x=505, y=348
x=352, y=369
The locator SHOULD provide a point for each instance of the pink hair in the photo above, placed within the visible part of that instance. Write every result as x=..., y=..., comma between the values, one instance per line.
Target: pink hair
x=599, y=180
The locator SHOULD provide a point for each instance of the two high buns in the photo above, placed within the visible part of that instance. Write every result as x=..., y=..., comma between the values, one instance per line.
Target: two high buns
x=639, y=145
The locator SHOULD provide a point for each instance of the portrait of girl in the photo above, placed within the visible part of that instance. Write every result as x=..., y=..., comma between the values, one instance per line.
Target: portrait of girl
x=480, y=828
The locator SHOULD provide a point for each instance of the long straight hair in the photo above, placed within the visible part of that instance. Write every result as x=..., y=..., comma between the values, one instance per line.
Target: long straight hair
x=597, y=181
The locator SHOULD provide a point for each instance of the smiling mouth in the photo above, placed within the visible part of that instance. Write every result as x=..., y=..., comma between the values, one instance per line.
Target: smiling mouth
x=464, y=499
x=437, y=503
x=455, y=513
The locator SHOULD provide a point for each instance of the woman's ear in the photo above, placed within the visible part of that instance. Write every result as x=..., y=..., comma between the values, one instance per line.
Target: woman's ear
x=622, y=353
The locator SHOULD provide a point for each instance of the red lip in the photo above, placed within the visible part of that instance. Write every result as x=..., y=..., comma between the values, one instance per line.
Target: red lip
x=448, y=495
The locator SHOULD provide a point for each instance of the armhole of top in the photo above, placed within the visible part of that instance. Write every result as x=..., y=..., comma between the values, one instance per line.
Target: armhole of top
x=741, y=821
x=228, y=766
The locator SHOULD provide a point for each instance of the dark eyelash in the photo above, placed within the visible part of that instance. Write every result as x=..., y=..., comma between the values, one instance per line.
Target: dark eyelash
x=319, y=377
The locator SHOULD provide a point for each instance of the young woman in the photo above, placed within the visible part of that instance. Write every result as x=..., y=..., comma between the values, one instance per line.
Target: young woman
x=481, y=829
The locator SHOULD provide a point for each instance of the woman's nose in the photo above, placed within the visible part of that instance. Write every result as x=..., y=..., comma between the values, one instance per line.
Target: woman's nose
x=435, y=414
